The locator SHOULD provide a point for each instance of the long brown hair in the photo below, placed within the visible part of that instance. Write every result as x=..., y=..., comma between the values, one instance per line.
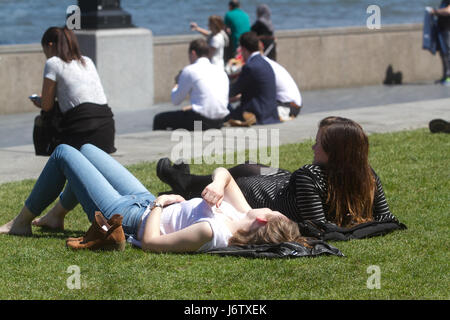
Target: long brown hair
x=351, y=182
x=276, y=230
x=65, y=43
x=217, y=23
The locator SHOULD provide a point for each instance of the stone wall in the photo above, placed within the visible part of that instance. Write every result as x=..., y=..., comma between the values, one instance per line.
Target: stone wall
x=317, y=59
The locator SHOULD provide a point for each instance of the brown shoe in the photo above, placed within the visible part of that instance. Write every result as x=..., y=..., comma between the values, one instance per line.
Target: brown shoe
x=249, y=120
x=102, y=235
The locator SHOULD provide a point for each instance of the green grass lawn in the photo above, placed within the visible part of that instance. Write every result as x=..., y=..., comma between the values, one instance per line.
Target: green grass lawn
x=414, y=263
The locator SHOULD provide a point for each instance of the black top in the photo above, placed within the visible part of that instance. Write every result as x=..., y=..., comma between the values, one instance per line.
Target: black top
x=444, y=21
x=267, y=38
x=301, y=195
x=89, y=123
x=261, y=29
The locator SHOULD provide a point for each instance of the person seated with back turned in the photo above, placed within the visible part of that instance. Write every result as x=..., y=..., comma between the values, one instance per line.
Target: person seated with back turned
x=208, y=87
x=289, y=98
x=255, y=87
x=74, y=81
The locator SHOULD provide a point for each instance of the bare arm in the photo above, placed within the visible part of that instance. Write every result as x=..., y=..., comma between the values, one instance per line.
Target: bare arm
x=442, y=11
x=186, y=240
x=224, y=187
x=195, y=27
x=48, y=94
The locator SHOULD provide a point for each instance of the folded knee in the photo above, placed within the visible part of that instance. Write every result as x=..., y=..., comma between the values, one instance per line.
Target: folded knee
x=61, y=149
x=87, y=147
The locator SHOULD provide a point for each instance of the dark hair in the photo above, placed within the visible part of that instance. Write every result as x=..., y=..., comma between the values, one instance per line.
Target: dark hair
x=233, y=4
x=65, y=43
x=250, y=41
x=351, y=182
x=200, y=47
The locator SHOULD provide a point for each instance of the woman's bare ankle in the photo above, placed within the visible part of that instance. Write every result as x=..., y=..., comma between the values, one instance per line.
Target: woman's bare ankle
x=20, y=225
x=54, y=219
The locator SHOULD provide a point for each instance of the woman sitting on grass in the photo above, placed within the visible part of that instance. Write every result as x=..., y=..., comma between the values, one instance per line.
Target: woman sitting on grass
x=165, y=224
x=339, y=187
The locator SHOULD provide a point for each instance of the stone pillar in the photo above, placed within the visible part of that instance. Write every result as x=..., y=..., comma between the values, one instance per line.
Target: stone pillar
x=124, y=60
x=122, y=53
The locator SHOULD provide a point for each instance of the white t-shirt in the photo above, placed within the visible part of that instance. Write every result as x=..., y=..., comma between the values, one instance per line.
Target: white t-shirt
x=218, y=42
x=75, y=83
x=208, y=87
x=287, y=90
x=184, y=214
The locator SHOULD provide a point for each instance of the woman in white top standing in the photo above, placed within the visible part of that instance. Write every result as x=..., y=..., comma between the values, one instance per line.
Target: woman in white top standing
x=217, y=39
x=74, y=81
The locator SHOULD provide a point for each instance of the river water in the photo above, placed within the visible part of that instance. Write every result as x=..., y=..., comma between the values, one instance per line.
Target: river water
x=24, y=21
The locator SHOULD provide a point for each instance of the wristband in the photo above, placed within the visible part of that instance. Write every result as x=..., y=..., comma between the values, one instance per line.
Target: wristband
x=155, y=205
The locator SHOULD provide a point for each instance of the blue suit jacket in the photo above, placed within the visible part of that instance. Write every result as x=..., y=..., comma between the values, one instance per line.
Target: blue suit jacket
x=432, y=36
x=256, y=83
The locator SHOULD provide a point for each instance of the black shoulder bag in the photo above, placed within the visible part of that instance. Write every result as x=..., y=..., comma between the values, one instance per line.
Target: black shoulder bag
x=47, y=131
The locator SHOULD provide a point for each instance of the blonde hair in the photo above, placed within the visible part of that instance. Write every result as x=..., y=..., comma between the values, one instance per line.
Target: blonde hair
x=276, y=230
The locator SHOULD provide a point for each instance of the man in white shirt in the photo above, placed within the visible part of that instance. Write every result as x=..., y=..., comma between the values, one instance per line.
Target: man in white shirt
x=206, y=84
x=289, y=98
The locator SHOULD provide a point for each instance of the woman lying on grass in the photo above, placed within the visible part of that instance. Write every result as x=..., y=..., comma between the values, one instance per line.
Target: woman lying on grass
x=165, y=224
x=339, y=187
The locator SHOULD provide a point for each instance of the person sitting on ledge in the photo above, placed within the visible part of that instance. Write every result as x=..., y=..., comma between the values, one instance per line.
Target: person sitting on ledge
x=338, y=187
x=169, y=223
x=289, y=98
x=74, y=81
x=208, y=87
x=255, y=87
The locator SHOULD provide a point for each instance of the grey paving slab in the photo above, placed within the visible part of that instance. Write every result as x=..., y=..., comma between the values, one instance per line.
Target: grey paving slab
x=18, y=162
x=16, y=130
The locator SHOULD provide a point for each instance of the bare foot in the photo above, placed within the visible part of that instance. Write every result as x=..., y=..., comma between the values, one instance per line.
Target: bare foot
x=49, y=222
x=16, y=228
x=54, y=219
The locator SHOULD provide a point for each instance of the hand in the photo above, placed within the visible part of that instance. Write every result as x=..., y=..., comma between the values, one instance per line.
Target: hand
x=36, y=101
x=194, y=26
x=168, y=199
x=37, y=104
x=236, y=98
x=213, y=194
x=187, y=108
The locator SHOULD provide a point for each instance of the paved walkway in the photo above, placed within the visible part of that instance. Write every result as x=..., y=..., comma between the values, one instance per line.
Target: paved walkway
x=377, y=109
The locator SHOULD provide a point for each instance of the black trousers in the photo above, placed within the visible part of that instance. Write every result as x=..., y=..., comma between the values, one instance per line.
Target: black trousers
x=191, y=186
x=446, y=57
x=173, y=120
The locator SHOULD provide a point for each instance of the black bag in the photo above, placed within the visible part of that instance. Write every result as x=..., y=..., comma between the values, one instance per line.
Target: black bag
x=47, y=132
x=328, y=231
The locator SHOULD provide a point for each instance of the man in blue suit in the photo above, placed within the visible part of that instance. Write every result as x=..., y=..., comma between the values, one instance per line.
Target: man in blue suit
x=256, y=85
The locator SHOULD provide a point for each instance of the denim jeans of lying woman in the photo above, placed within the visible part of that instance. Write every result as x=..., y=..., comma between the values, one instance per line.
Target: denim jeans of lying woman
x=95, y=180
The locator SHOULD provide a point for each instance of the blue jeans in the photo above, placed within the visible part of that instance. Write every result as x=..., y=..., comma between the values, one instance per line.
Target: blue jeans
x=96, y=181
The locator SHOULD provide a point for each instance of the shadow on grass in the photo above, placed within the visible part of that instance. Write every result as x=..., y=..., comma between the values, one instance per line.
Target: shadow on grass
x=58, y=234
